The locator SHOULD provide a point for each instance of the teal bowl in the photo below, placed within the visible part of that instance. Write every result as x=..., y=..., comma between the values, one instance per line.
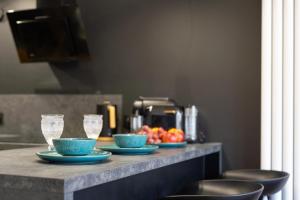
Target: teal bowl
x=130, y=140
x=74, y=146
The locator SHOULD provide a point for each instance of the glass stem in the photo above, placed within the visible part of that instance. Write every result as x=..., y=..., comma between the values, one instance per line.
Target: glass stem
x=51, y=148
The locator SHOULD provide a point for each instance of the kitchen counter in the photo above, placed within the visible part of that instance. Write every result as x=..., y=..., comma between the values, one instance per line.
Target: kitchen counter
x=24, y=176
x=17, y=145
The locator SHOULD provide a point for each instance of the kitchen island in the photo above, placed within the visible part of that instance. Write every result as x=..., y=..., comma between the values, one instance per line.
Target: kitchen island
x=24, y=176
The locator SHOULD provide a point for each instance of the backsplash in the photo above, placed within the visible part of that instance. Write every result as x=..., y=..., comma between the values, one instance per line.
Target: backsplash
x=20, y=115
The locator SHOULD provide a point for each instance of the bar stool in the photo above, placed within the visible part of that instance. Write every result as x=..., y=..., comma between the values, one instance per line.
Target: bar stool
x=220, y=190
x=273, y=181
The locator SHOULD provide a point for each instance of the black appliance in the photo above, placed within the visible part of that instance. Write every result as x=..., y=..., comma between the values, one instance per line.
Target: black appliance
x=159, y=112
x=49, y=34
x=110, y=120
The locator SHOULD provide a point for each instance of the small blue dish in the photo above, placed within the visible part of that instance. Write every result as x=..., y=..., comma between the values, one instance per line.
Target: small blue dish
x=94, y=157
x=130, y=140
x=147, y=149
x=74, y=146
x=172, y=145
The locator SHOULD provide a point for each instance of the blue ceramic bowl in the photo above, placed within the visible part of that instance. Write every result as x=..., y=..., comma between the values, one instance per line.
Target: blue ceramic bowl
x=74, y=146
x=130, y=140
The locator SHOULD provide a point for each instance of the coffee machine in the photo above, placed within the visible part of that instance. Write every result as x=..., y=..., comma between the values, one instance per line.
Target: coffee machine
x=159, y=112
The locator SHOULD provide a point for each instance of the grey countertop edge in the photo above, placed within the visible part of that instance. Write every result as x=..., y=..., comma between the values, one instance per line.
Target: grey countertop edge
x=41, y=184
x=90, y=179
x=76, y=183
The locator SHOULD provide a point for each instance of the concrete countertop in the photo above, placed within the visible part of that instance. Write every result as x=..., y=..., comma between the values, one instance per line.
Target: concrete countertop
x=22, y=170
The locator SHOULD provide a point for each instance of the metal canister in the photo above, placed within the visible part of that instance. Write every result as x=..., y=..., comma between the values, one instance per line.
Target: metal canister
x=136, y=122
x=191, y=113
x=179, y=119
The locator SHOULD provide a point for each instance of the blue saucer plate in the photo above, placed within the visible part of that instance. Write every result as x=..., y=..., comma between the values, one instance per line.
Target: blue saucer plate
x=172, y=145
x=53, y=156
x=147, y=149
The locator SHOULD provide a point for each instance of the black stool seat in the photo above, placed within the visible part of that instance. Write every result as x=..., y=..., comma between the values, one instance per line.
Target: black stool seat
x=221, y=190
x=273, y=181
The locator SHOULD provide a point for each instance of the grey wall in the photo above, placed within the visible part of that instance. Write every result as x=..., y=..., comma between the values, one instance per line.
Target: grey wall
x=203, y=52
x=22, y=114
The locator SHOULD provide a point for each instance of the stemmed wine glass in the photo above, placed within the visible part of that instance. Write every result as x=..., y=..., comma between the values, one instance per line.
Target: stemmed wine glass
x=52, y=127
x=92, y=125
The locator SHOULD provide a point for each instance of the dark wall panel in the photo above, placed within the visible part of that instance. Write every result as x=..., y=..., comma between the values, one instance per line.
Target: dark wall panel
x=203, y=52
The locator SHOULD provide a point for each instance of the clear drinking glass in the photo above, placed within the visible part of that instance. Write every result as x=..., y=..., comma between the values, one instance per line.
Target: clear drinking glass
x=92, y=125
x=52, y=127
